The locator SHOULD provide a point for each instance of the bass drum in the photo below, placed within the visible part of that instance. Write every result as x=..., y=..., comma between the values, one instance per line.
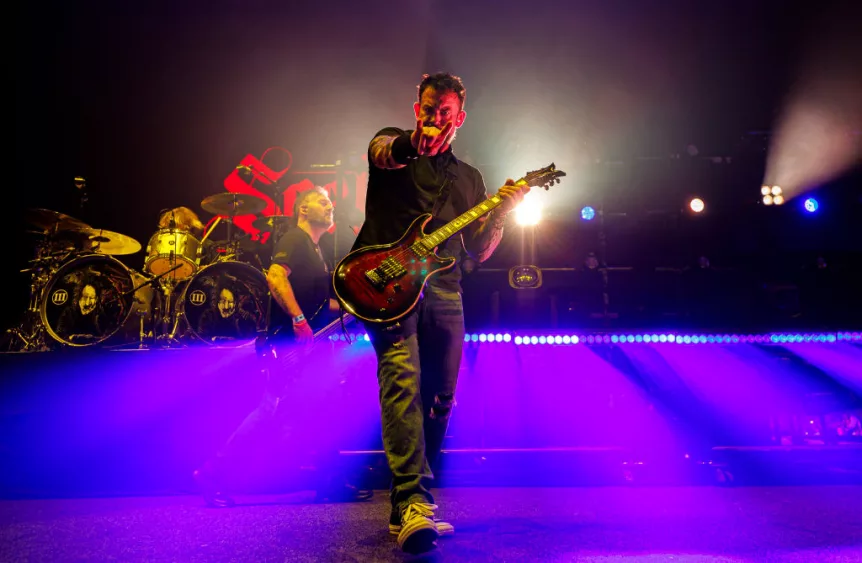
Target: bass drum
x=88, y=301
x=225, y=304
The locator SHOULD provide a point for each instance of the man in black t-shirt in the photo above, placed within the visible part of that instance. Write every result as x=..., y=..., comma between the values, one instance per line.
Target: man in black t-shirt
x=303, y=299
x=411, y=173
x=299, y=283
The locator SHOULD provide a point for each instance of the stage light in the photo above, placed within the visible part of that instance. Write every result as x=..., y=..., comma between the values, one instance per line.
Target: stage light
x=696, y=205
x=767, y=199
x=778, y=200
x=528, y=213
x=588, y=213
x=776, y=190
x=811, y=205
x=764, y=190
x=525, y=277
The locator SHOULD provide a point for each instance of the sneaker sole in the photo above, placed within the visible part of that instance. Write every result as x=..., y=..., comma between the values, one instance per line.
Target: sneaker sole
x=419, y=538
x=443, y=530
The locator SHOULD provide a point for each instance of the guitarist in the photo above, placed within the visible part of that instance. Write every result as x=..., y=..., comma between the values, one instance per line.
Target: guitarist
x=410, y=173
x=299, y=282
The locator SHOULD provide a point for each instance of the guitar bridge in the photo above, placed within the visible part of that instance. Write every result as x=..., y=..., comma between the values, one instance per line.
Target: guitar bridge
x=375, y=278
x=388, y=270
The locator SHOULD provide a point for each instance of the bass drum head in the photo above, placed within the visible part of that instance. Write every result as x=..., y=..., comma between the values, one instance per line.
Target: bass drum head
x=225, y=303
x=85, y=301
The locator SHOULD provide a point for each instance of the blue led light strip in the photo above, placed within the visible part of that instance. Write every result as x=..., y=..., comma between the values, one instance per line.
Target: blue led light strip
x=649, y=338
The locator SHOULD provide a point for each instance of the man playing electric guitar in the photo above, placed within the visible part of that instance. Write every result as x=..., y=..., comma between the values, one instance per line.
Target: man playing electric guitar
x=411, y=173
x=299, y=282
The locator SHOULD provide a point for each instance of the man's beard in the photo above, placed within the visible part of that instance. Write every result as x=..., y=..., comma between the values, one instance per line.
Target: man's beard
x=325, y=223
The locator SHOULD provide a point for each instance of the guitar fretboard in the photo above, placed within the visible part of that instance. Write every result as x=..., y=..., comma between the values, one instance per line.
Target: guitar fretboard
x=437, y=237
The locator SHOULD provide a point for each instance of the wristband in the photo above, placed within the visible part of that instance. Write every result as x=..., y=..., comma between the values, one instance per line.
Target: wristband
x=299, y=319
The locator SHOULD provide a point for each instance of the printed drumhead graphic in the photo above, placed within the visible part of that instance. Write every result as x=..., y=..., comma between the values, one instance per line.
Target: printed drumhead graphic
x=226, y=302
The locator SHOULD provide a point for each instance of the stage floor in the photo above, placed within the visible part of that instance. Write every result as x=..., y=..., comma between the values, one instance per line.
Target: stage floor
x=801, y=524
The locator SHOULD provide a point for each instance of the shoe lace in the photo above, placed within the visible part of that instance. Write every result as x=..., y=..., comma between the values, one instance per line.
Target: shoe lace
x=415, y=509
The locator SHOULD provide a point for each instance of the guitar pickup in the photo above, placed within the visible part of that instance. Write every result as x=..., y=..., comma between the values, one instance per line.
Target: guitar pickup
x=392, y=269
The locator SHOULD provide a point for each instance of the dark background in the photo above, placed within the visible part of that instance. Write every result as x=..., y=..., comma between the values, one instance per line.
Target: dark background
x=155, y=105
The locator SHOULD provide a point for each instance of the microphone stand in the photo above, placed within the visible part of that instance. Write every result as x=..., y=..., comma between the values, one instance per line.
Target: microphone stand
x=277, y=192
x=263, y=346
x=339, y=180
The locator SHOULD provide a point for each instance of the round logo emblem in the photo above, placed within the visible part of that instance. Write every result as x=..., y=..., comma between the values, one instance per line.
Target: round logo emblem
x=59, y=297
x=197, y=297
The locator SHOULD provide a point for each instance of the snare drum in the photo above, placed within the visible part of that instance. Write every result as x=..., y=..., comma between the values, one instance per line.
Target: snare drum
x=169, y=248
x=89, y=299
x=225, y=303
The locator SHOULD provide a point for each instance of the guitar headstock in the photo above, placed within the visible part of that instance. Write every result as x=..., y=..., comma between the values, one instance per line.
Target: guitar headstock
x=544, y=177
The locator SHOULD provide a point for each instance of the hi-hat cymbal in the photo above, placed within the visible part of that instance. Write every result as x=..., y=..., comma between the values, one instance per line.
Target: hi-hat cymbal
x=233, y=204
x=48, y=220
x=104, y=242
x=270, y=223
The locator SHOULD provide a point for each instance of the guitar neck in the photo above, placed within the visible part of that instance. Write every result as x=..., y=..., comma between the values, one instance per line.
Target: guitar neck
x=436, y=238
x=332, y=327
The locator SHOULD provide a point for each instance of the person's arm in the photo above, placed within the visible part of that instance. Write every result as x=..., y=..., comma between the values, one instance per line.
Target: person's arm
x=393, y=148
x=484, y=235
x=281, y=290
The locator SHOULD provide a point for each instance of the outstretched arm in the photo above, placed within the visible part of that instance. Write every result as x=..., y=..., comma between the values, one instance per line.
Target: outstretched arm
x=390, y=151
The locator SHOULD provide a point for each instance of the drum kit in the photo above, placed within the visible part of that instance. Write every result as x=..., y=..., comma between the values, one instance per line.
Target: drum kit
x=190, y=290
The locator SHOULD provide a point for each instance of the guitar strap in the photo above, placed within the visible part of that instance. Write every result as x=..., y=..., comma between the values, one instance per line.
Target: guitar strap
x=443, y=193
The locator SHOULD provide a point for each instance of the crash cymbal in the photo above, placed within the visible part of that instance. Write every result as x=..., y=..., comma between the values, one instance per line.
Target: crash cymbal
x=103, y=242
x=270, y=223
x=48, y=220
x=232, y=204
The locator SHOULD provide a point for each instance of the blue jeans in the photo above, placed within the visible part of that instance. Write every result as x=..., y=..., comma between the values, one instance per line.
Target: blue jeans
x=418, y=359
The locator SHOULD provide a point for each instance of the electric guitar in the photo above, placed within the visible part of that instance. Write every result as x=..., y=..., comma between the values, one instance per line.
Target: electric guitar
x=382, y=283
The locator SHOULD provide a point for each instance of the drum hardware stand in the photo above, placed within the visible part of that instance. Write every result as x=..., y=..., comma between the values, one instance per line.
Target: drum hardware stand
x=166, y=317
x=164, y=320
x=31, y=330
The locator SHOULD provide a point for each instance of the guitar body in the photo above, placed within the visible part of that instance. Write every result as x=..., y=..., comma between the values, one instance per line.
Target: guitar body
x=383, y=283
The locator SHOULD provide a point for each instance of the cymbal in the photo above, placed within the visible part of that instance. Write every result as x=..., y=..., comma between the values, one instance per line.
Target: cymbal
x=104, y=242
x=270, y=223
x=48, y=220
x=233, y=204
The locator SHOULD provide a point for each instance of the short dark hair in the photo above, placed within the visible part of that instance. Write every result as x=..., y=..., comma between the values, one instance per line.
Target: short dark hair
x=304, y=196
x=445, y=82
